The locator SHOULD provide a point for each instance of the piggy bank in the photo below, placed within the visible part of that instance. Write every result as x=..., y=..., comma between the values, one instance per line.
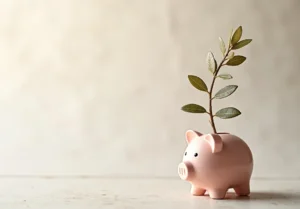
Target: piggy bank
x=216, y=163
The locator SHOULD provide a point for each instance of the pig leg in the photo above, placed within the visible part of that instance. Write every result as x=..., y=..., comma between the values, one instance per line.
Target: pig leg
x=243, y=189
x=196, y=191
x=217, y=193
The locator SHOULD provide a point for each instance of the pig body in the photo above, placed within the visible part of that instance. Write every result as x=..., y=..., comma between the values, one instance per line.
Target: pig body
x=215, y=163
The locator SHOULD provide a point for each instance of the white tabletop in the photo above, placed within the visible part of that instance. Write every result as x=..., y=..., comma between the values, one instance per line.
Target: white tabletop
x=137, y=193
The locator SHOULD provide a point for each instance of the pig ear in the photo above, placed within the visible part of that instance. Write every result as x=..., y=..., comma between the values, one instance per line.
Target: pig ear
x=215, y=142
x=190, y=135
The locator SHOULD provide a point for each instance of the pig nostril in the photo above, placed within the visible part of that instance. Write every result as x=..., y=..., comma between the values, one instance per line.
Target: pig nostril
x=181, y=171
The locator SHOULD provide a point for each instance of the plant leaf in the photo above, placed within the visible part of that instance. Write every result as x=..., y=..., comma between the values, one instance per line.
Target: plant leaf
x=211, y=62
x=237, y=35
x=225, y=92
x=228, y=112
x=230, y=55
x=222, y=46
x=236, y=60
x=197, y=82
x=241, y=44
x=225, y=76
x=230, y=36
x=193, y=108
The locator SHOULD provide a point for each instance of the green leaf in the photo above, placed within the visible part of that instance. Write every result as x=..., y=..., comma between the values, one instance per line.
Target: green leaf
x=230, y=55
x=237, y=35
x=230, y=36
x=211, y=62
x=225, y=76
x=193, y=108
x=236, y=60
x=198, y=83
x=222, y=46
x=225, y=92
x=228, y=112
x=241, y=44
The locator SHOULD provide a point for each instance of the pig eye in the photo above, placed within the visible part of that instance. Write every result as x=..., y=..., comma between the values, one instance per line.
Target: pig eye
x=185, y=153
x=196, y=154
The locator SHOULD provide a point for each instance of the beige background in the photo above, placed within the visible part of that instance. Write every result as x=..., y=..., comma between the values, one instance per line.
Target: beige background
x=95, y=87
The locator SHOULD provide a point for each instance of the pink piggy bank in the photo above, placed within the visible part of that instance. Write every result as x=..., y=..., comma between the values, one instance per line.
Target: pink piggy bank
x=215, y=163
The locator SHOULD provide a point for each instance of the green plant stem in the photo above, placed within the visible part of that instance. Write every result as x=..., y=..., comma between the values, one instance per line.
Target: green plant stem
x=212, y=122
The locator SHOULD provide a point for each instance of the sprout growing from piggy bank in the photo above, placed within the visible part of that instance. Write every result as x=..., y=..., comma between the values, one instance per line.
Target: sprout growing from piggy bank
x=216, y=162
x=229, y=58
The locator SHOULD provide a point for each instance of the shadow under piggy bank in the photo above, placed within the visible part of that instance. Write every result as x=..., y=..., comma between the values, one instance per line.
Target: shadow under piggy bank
x=275, y=197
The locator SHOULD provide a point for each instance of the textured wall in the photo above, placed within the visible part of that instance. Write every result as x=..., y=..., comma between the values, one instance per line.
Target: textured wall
x=96, y=87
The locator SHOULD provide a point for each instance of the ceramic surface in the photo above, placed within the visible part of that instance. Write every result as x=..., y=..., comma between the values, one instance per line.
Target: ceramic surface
x=215, y=163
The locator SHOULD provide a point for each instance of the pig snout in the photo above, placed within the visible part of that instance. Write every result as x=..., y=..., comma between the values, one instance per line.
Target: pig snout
x=185, y=171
